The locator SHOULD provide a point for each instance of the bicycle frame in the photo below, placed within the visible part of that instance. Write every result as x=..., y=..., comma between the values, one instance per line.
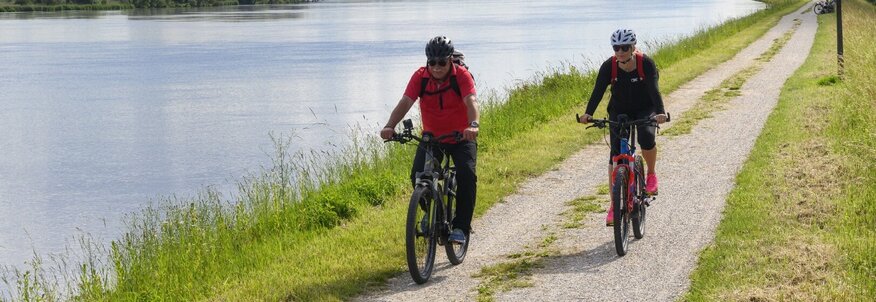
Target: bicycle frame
x=623, y=160
x=434, y=191
x=629, y=206
x=439, y=180
x=434, y=176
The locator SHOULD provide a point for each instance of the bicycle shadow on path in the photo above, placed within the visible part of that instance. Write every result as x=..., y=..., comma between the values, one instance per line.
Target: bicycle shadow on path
x=585, y=261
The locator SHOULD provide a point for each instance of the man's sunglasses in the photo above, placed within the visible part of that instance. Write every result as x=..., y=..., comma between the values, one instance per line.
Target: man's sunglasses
x=440, y=62
x=621, y=47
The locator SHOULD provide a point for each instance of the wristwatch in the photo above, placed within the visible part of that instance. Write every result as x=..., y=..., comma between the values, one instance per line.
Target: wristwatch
x=474, y=124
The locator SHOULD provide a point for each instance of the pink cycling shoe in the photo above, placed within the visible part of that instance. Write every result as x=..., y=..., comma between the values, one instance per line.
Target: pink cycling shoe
x=609, y=220
x=651, y=184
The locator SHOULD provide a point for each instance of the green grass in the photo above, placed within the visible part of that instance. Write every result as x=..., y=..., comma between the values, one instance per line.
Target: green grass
x=580, y=207
x=306, y=231
x=800, y=224
x=514, y=273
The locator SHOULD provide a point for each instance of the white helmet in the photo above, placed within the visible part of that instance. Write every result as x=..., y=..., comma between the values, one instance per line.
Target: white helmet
x=623, y=37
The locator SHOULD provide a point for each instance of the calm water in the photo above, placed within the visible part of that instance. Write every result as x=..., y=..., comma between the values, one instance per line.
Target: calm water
x=102, y=112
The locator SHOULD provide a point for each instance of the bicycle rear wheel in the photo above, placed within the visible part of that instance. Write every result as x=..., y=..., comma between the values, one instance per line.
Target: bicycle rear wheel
x=818, y=9
x=421, y=234
x=619, y=197
x=639, y=207
x=455, y=252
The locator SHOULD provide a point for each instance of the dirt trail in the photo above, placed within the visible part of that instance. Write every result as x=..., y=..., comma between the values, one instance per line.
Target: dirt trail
x=680, y=223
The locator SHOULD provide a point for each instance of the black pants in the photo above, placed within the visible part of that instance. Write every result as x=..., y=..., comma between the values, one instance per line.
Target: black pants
x=645, y=135
x=464, y=155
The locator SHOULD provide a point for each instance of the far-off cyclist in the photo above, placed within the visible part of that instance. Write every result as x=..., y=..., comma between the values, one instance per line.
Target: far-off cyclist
x=448, y=103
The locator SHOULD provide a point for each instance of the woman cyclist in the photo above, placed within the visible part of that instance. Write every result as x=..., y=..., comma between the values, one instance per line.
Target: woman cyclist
x=634, y=93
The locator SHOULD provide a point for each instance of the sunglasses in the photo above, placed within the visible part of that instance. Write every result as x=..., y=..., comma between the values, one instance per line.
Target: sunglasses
x=441, y=62
x=621, y=47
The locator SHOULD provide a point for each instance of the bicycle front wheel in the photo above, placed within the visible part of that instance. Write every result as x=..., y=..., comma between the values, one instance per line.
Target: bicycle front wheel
x=619, y=198
x=639, y=208
x=455, y=252
x=420, y=234
x=818, y=9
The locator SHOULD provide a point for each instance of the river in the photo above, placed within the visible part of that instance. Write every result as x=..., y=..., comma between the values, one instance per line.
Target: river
x=104, y=112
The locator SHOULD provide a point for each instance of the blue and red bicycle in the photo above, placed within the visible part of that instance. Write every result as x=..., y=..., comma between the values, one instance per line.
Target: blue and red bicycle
x=628, y=197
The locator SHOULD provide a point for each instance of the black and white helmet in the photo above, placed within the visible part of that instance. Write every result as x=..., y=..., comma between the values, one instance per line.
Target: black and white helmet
x=623, y=37
x=439, y=47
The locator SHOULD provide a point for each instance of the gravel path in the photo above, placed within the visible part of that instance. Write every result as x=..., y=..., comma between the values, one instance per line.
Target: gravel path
x=680, y=224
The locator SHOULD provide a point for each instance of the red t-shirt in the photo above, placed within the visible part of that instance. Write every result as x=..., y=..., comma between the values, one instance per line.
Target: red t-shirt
x=444, y=112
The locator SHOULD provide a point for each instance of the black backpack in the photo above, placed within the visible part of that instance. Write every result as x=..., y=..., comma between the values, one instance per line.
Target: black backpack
x=459, y=59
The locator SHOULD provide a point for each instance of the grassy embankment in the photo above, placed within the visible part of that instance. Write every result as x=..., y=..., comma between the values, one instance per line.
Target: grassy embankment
x=283, y=238
x=801, y=223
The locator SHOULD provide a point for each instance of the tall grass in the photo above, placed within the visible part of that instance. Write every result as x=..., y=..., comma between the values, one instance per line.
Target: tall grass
x=853, y=132
x=305, y=230
x=800, y=224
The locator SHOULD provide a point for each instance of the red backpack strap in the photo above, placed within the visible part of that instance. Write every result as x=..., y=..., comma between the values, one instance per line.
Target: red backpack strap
x=613, y=69
x=639, y=65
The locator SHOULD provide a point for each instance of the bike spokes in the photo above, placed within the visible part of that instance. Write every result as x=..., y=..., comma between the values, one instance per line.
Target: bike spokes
x=420, y=238
x=620, y=202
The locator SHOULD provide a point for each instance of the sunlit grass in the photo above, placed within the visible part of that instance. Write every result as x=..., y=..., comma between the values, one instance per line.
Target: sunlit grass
x=801, y=223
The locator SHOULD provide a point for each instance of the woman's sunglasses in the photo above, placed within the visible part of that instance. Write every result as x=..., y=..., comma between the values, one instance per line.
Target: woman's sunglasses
x=621, y=47
x=441, y=62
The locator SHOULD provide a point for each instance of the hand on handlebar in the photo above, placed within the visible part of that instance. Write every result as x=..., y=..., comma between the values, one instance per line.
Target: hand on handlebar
x=470, y=134
x=387, y=133
x=661, y=118
x=584, y=119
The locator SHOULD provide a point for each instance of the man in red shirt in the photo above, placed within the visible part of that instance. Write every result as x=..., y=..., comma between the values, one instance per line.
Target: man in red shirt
x=448, y=102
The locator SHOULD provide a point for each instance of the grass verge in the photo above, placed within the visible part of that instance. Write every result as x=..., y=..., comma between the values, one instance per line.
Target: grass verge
x=304, y=231
x=801, y=223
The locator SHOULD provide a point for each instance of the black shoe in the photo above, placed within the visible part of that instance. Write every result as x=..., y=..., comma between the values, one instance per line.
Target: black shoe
x=457, y=236
x=424, y=225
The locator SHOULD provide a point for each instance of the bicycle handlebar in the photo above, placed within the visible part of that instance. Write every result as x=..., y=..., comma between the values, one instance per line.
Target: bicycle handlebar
x=407, y=136
x=602, y=123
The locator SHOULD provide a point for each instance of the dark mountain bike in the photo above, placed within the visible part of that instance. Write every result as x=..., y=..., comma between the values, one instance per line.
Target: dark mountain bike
x=432, y=206
x=824, y=7
x=628, y=197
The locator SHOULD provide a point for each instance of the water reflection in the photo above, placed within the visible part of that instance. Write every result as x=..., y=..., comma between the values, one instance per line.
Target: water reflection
x=241, y=13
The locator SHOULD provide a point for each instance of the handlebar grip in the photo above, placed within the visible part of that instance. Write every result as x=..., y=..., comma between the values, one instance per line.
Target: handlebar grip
x=668, y=117
x=577, y=118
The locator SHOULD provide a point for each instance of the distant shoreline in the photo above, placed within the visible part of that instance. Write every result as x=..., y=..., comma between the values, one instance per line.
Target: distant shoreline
x=102, y=5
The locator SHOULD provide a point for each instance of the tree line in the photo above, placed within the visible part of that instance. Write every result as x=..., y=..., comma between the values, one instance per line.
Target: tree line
x=25, y=5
